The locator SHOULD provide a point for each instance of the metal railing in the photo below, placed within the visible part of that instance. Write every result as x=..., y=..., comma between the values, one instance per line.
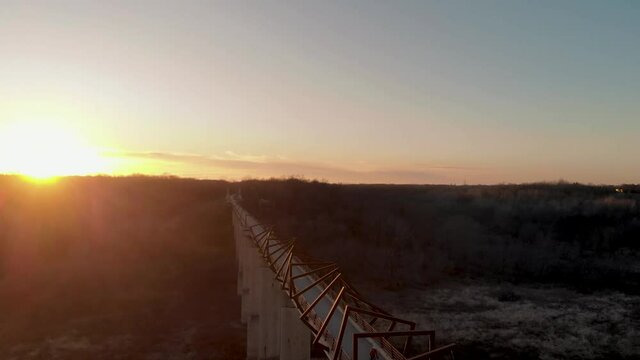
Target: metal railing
x=324, y=277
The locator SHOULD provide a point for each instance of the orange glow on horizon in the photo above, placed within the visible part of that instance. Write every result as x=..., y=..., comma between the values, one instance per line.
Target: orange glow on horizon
x=42, y=152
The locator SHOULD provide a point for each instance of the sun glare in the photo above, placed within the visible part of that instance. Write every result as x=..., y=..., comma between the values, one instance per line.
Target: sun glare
x=42, y=152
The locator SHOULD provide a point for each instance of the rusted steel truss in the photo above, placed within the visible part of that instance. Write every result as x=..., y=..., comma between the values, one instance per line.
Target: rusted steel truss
x=341, y=293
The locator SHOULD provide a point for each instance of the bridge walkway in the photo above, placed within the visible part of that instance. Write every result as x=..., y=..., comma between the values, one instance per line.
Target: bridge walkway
x=343, y=323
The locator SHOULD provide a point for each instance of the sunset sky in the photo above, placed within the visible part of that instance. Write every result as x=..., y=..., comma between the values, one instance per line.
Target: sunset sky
x=350, y=91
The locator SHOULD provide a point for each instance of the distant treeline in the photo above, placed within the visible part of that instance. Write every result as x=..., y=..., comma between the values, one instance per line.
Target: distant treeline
x=93, y=232
x=581, y=235
x=121, y=266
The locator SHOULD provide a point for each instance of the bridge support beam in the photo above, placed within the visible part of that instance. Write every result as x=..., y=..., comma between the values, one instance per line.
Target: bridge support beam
x=247, y=265
x=253, y=337
x=295, y=337
x=272, y=299
x=252, y=302
x=274, y=330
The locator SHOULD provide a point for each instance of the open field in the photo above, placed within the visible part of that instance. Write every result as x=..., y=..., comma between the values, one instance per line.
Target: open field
x=523, y=322
x=537, y=271
x=143, y=268
x=130, y=268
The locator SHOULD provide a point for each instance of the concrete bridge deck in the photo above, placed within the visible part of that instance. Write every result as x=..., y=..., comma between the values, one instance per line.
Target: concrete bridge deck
x=291, y=302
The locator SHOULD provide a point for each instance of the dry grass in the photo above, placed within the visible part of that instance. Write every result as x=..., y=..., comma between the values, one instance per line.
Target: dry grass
x=118, y=269
x=529, y=322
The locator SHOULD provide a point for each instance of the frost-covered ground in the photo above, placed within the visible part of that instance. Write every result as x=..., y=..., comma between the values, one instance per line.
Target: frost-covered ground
x=490, y=321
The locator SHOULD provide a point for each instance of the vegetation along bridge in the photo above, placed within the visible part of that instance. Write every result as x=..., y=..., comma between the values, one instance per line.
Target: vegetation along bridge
x=292, y=303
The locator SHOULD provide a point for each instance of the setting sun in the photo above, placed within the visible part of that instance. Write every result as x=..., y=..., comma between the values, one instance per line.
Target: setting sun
x=43, y=152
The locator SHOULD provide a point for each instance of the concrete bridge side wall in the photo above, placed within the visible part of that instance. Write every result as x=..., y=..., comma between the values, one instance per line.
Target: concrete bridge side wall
x=274, y=330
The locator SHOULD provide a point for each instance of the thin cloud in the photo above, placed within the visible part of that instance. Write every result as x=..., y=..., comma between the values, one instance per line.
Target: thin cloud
x=247, y=157
x=242, y=166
